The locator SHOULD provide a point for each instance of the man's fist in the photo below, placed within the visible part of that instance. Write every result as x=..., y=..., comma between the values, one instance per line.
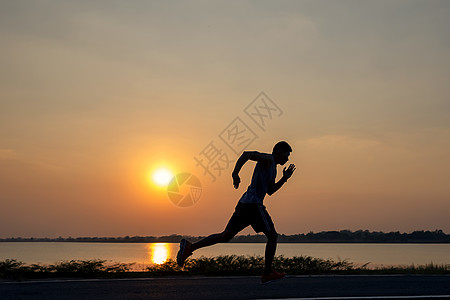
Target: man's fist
x=236, y=180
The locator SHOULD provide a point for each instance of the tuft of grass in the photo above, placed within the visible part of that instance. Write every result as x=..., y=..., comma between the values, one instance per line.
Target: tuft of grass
x=17, y=270
x=11, y=268
x=413, y=269
x=301, y=265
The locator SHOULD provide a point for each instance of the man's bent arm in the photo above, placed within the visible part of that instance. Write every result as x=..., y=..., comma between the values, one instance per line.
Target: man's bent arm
x=287, y=173
x=276, y=186
x=245, y=156
x=252, y=155
x=240, y=162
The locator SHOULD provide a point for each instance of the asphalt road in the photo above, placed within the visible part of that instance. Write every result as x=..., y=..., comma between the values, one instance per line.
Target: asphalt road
x=230, y=288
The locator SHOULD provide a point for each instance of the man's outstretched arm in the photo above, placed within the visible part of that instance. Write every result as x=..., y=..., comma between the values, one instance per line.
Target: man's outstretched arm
x=287, y=173
x=246, y=156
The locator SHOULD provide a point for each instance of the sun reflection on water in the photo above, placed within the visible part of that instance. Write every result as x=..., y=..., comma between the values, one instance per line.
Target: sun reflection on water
x=159, y=252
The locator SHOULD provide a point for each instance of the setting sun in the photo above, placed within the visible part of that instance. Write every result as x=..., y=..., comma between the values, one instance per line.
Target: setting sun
x=162, y=176
x=159, y=252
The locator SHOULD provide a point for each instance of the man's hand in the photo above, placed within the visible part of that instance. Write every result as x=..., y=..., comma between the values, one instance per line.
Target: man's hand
x=288, y=173
x=236, y=179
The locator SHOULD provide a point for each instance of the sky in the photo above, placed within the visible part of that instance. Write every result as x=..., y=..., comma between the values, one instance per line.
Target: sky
x=95, y=96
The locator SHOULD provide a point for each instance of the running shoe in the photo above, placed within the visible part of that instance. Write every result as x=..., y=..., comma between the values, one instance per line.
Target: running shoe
x=184, y=252
x=274, y=275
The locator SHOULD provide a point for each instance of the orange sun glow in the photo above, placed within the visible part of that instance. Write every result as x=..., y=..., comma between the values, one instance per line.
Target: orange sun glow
x=162, y=176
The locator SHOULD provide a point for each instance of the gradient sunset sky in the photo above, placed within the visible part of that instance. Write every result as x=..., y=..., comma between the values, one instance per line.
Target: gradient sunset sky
x=96, y=95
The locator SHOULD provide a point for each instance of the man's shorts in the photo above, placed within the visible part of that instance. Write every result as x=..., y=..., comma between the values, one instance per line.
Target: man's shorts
x=253, y=214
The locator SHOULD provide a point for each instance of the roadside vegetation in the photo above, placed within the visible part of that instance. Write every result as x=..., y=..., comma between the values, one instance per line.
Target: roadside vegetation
x=225, y=265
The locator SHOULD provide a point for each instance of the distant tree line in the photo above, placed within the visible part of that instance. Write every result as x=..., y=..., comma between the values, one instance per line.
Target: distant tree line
x=365, y=236
x=342, y=236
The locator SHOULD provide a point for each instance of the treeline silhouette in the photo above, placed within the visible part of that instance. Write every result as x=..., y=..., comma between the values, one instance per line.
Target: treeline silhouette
x=342, y=236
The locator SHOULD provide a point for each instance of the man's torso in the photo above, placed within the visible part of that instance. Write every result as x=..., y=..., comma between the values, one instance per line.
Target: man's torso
x=263, y=175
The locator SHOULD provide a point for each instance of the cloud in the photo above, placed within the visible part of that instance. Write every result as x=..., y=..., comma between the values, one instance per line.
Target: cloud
x=7, y=154
x=19, y=162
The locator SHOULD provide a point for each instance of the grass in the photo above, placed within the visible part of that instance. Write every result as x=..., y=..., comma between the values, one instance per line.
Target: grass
x=249, y=265
x=17, y=270
x=413, y=269
x=208, y=266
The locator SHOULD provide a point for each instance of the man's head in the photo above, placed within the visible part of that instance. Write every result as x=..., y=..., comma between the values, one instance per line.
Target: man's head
x=281, y=152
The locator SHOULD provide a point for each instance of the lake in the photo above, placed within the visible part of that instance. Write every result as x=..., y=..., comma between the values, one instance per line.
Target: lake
x=144, y=254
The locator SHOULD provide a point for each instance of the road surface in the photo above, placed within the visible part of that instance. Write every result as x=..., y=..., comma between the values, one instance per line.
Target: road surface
x=232, y=288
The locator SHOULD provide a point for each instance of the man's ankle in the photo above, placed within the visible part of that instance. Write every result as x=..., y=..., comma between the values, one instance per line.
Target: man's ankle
x=267, y=271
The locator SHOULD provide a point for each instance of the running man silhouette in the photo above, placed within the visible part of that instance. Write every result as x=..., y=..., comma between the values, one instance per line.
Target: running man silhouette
x=250, y=209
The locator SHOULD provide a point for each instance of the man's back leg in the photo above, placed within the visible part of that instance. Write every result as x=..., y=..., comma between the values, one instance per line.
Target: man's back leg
x=223, y=237
x=187, y=248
